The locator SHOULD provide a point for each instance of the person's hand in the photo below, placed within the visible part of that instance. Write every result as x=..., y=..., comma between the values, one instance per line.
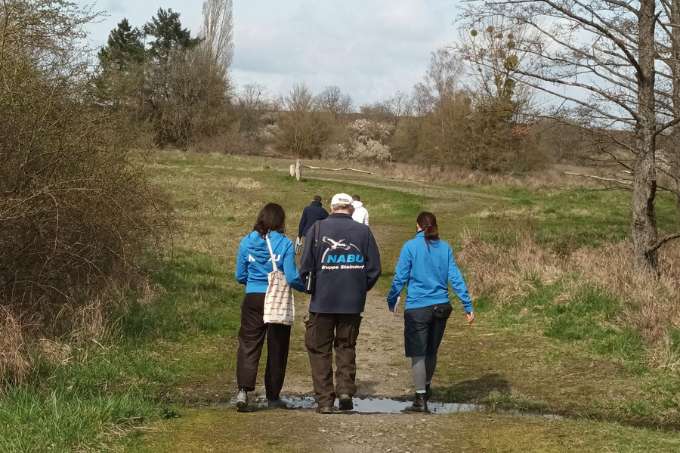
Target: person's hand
x=394, y=308
x=470, y=317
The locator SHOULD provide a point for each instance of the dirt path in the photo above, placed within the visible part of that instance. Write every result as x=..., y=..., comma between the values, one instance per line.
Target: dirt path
x=382, y=369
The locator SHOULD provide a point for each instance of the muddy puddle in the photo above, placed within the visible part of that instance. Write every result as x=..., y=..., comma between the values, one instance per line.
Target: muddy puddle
x=391, y=406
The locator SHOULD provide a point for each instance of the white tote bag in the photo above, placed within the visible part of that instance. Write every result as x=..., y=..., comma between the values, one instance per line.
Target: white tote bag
x=279, y=305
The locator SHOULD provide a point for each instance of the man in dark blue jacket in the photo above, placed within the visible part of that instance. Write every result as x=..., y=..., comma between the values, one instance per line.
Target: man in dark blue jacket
x=310, y=215
x=341, y=263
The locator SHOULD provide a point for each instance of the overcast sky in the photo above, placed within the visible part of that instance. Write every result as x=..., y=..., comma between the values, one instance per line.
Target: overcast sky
x=369, y=48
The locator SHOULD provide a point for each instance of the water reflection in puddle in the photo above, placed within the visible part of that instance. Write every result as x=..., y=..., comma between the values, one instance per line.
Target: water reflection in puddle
x=379, y=405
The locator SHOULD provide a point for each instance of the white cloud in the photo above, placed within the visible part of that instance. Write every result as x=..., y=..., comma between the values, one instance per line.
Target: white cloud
x=370, y=48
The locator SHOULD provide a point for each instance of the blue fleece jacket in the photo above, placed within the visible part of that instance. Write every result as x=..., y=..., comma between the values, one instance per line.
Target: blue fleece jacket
x=427, y=268
x=253, y=263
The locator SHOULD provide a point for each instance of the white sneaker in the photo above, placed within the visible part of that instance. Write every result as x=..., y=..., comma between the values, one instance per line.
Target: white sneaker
x=241, y=400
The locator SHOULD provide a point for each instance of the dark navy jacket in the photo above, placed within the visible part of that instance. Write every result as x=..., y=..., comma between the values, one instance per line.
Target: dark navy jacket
x=311, y=214
x=344, y=264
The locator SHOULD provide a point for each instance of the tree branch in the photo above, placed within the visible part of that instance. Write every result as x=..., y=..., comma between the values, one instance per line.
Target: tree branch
x=663, y=241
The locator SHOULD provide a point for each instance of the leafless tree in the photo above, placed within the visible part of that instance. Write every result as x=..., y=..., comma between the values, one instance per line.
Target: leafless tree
x=669, y=52
x=401, y=104
x=300, y=99
x=492, y=49
x=600, y=58
x=303, y=130
x=334, y=101
x=440, y=81
x=218, y=31
x=251, y=102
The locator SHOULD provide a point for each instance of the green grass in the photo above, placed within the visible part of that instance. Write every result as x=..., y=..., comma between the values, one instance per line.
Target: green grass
x=588, y=317
x=65, y=418
x=134, y=379
x=197, y=299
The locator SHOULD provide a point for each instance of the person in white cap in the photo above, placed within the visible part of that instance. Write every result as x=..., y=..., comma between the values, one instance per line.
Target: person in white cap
x=360, y=212
x=340, y=264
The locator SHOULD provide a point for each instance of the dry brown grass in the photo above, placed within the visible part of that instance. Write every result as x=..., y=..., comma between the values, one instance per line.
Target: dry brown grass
x=650, y=306
x=507, y=273
x=14, y=361
x=552, y=176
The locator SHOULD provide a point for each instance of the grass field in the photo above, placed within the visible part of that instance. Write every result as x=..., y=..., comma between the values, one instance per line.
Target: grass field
x=554, y=344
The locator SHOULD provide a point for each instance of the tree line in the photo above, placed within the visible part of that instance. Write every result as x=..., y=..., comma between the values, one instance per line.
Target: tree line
x=168, y=82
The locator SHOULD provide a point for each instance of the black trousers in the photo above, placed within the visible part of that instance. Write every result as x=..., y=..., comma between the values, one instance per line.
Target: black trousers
x=251, y=338
x=424, y=329
x=324, y=333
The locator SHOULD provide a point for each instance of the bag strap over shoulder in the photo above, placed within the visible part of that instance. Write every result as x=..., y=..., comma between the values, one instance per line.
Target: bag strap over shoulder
x=317, y=227
x=271, y=253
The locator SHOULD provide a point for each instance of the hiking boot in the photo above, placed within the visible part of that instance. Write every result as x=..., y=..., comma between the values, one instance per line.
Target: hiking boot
x=241, y=400
x=345, y=402
x=277, y=404
x=326, y=410
x=419, y=404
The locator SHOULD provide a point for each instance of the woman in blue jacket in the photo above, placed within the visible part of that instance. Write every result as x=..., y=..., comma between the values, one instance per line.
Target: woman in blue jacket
x=253, y=265
x=427, y=265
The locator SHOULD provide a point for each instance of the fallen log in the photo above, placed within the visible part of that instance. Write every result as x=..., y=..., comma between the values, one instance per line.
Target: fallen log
x=624, y=182
x=311, y=167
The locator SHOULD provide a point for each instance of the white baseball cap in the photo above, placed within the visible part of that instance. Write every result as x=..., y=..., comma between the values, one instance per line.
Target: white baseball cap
x=341, y=199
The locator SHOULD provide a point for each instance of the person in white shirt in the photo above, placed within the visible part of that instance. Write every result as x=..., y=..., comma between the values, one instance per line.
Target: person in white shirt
x=360, y=213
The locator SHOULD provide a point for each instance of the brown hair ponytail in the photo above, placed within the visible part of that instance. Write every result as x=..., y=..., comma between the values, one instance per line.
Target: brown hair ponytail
x=428, y=224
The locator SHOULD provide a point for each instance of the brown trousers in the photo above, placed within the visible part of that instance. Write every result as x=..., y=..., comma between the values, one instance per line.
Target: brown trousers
x=251, y=338
x=327, y=332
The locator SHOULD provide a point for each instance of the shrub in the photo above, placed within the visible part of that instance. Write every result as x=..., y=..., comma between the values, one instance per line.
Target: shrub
x=302, y=130
x=365, y=142
x=189, y=100
x=75, y=212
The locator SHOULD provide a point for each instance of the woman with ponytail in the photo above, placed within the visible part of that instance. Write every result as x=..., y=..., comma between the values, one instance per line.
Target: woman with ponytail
x=427, y=265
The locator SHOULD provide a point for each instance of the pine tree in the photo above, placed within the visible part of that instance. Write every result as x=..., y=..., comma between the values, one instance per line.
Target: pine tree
x=169, y=35
x=124, y=48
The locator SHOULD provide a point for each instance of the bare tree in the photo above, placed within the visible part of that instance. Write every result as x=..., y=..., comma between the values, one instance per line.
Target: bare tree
x=401, y=104
x=250, y=102
x=599, y=57
x=300, y=99
x=440, y=81
x=218, y=31
x=333, y=100
x=303, y=130
x=492, y=48
x=669, y=52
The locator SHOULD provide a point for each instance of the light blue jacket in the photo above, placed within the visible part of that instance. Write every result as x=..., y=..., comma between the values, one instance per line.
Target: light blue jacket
x=253, y=263
x=427, y=268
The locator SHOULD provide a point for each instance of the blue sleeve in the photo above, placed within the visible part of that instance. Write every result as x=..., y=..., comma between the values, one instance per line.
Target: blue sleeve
x=458, y=283
x=242, y=263
x=290, y=269
x=402, y=272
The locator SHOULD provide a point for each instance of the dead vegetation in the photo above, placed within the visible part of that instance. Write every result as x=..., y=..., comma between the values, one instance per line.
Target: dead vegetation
x=14, y=362
x=508, y=273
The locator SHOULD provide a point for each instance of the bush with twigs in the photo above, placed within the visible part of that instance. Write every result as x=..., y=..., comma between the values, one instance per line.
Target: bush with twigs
x=75, y=212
